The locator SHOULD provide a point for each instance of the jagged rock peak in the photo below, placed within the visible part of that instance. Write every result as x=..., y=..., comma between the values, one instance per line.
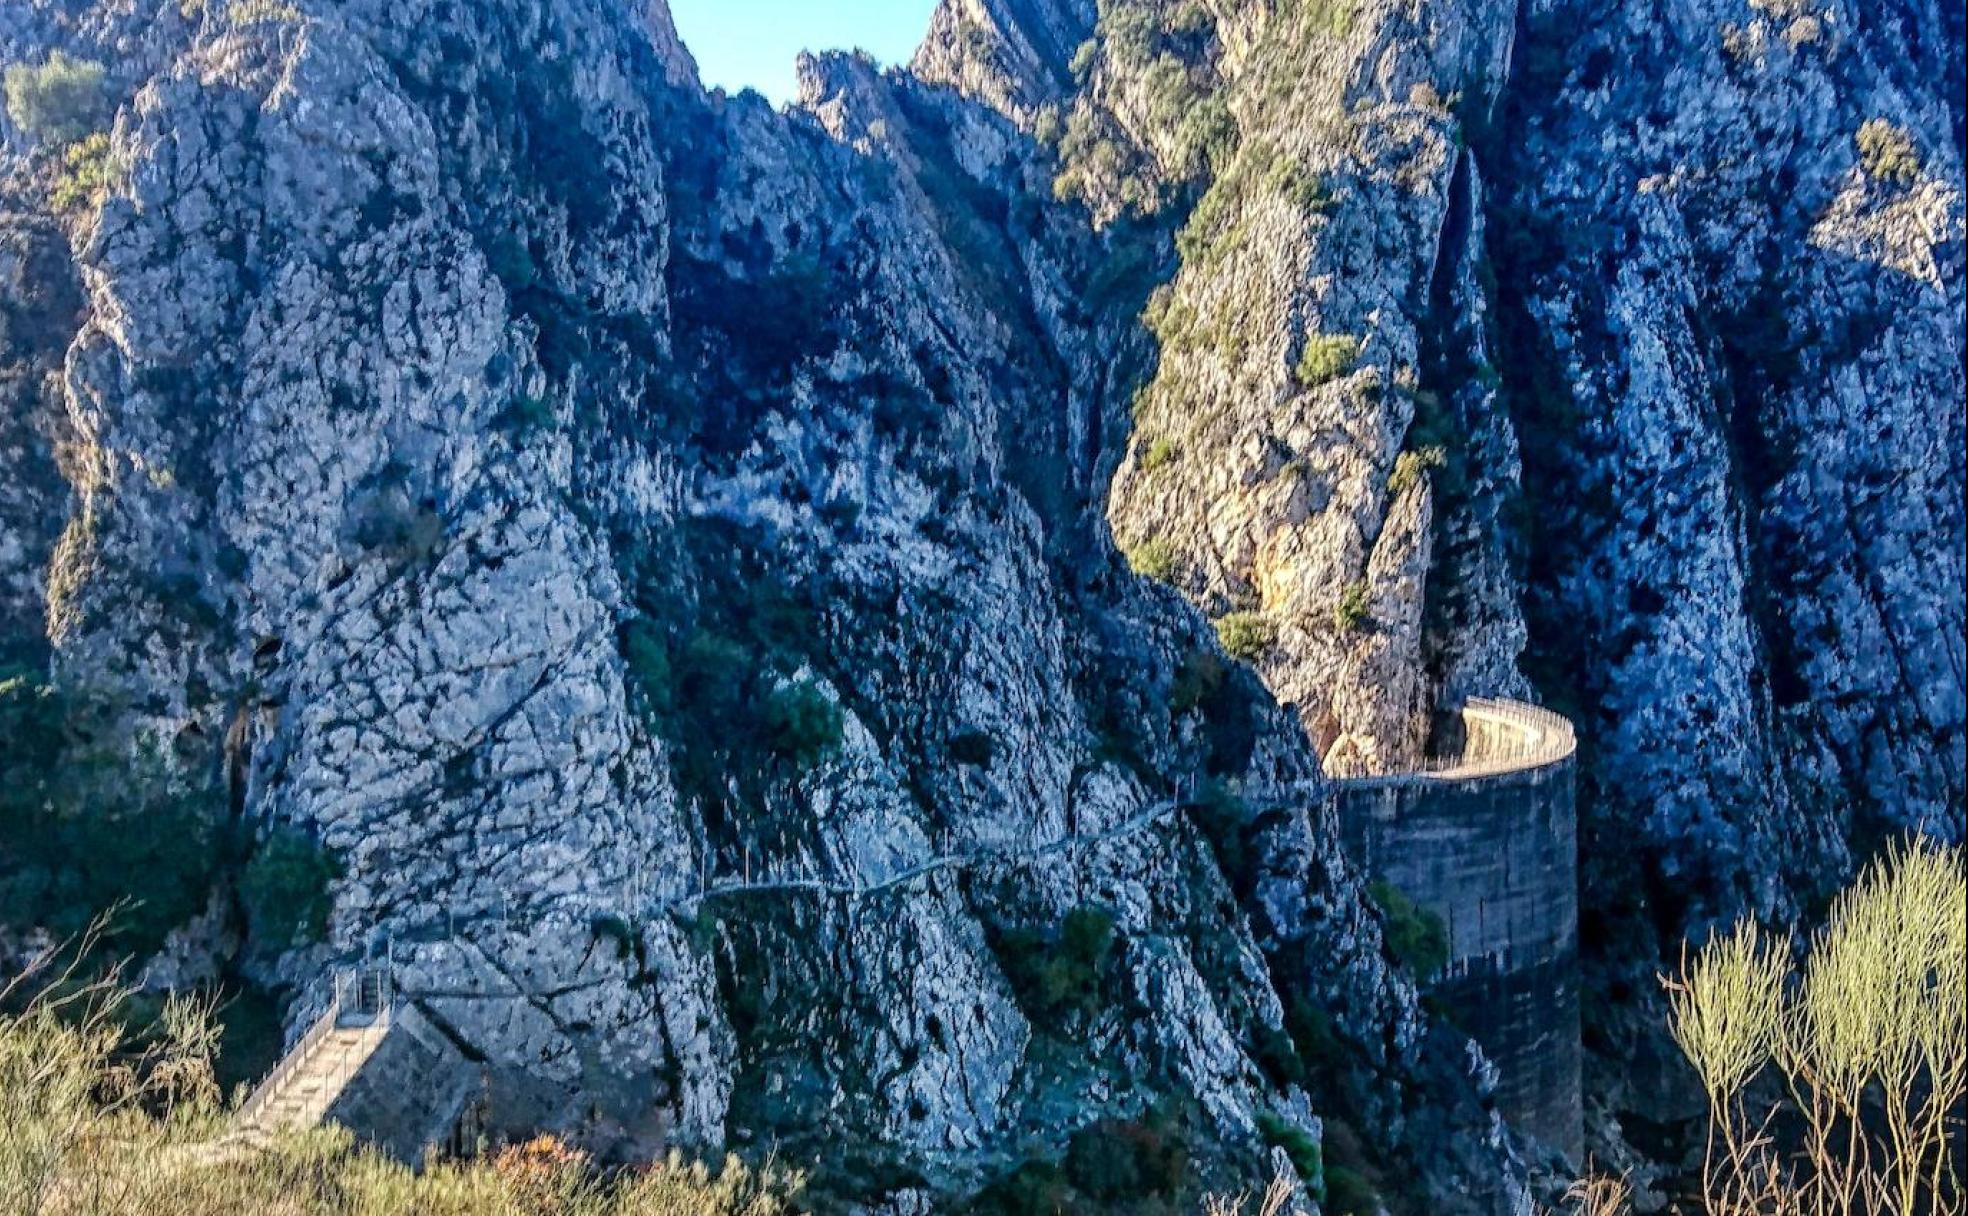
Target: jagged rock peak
x=679, y=67
x=1015, y=55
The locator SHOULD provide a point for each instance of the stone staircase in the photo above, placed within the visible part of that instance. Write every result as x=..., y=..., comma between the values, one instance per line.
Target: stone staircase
x=373, y=1063
x=303, y=1097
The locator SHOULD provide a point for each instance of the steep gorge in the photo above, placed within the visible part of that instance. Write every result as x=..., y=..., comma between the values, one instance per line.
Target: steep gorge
x=544, y=484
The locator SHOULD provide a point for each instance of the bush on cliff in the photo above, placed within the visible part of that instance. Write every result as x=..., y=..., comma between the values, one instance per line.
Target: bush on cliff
x=646, y=656
x=1306, y=1155
x=88, y=169
x=1411, y=466
x=1416, y=937
x=1111, y=1165
x=805, y=725
x=1246, y=635
x=1887, y=153
x=285, y=888
x=60, y=101
x=1128, y=1160
x=1055, y=977
x=1326, y=358
x=93, y=818
x=1354, y=608
x=1154, y=558
x=1198, y=681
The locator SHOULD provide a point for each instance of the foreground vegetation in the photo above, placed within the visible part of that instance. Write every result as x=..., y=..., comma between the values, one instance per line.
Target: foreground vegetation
x=1835, y=1088
x=98, y=1120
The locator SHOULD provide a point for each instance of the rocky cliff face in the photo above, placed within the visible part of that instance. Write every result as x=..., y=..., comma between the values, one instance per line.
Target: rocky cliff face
x=547, y=489
x=1611, y=351
x=455, y=437
x=1742, y=416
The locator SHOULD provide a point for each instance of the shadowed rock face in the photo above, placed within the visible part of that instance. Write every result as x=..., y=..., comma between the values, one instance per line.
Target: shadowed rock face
x=1637, y=384
x=502, y=446
x=547, y=486
x=40, y=307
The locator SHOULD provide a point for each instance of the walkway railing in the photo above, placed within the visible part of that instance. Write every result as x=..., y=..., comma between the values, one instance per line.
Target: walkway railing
x=361, y=997
x=264, y=1093
x=779, y=880
x=1499, y=737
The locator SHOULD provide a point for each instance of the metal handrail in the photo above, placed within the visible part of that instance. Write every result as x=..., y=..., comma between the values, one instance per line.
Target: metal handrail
x=1542, y=738
x=325, y=1025
x=361, y=997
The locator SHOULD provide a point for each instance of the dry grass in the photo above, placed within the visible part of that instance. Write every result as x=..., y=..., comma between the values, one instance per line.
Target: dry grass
x=1870, y=1042
x=1271, y=1203
x=93, y=1123
x=1599, y=1195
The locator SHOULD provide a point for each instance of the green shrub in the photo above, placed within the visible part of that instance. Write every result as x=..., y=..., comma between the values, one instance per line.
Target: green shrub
x=1326, y=358
x=1887, y=152
x=608, y=927
x=1087, y=934
x=61, y=101
x=1274, y=1052
x=1118, y=1161
x=1416, y=937
x=1353, y=608
x=1224, y=818
x=1311, y=1031
x=1124, y=278
x=93, y=821
x=713, y=677
x=1206, y=137
x=527, y=414
x=1200, y=678
x=1160, y=454
x=646, y=654
x=1048, y=128
x=1191, y=19
x=1300, y=186
x=805, y=726
x=88, y=171
x=1056, y=978
x=1306, y=1156
x=1154, y=558
x=1172, y=92
x=1348, y=1193
x=285, y=889
x=1330, y=17
x=1130, y=34
x=1410, y=467
x=1035, y=1188
x=1246, y=635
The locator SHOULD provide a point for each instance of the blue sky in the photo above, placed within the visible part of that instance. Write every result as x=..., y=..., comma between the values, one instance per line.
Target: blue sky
x=754, y=42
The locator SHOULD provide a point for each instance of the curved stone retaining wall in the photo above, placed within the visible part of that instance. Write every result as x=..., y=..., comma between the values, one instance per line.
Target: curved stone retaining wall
x=1486, y=839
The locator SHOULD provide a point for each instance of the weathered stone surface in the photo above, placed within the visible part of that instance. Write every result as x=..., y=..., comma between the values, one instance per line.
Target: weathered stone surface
x=433, y=359
x=447, y=394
